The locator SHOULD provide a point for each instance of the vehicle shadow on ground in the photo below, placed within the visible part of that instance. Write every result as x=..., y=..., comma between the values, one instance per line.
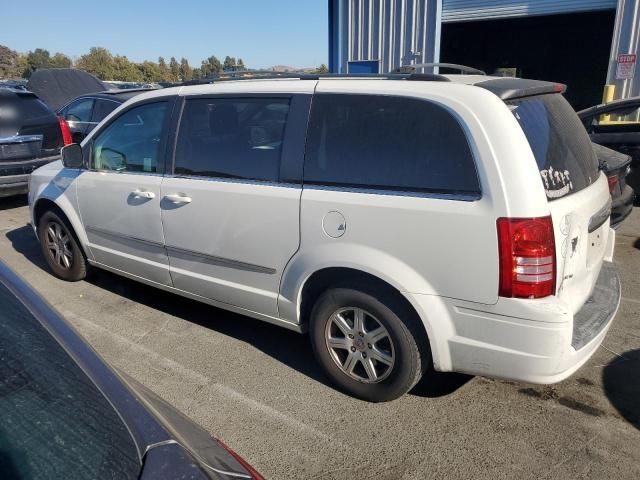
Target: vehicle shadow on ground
x=25, y=242
x=13, y=202
x=636, y=244
x=283, y=345
x=621, y=380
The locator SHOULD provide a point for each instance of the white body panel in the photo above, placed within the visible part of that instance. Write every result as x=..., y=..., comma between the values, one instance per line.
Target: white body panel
x=250, y=247
x=121, y=218
x=232, y=241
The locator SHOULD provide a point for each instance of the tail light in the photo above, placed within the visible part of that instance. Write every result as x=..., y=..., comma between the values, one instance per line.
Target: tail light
x=613, y=182
x=66, y=132
x=527, y=257
x=250, y=470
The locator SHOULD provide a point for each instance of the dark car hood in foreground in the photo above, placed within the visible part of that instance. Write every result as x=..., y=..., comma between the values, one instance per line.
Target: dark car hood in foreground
x=154, y=425
x=58, y=86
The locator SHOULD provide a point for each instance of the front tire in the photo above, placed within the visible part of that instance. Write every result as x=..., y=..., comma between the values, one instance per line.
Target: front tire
x=370, y=346
x=60, y=247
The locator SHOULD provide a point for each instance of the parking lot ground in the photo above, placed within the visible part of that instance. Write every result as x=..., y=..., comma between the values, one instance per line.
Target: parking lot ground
x=257, y=387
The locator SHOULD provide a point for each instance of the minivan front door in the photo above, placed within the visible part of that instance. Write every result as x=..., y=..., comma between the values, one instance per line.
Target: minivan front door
x=230, y=214
x=119, y=194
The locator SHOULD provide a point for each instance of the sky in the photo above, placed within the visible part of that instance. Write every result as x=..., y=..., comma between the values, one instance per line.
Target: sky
x=261, y=32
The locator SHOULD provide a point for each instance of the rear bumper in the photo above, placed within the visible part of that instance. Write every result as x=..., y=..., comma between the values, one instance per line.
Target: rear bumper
x=14, y=176
x=14, y=185
x=622, y=206
x=535, y=341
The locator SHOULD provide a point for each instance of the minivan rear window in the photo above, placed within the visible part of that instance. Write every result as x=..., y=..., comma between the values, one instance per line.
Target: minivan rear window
x=560, y=144
x=390, y=143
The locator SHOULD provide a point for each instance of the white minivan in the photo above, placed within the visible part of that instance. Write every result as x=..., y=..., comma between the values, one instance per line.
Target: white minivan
x=405, y=221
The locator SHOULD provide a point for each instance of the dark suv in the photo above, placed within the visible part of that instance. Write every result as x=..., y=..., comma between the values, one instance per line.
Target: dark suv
x=30, y=136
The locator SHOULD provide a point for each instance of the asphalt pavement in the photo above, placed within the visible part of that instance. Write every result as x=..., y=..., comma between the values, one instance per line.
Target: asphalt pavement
x=257, y=387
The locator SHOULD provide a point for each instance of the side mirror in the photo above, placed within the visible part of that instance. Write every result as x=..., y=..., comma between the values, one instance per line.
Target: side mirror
x=72, y=156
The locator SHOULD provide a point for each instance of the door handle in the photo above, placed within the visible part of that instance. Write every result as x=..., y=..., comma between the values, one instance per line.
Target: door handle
x=143, y=194
x=178, y=198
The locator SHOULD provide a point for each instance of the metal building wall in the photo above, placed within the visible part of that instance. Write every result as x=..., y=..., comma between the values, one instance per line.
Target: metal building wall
x=626, y=39
x=391, y=32
x=470, y=10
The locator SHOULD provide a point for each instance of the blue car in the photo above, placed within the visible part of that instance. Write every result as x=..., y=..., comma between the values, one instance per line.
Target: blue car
x=65, y=414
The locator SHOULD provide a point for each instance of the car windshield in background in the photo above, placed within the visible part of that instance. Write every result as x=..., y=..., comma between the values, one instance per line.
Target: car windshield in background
x=54, y=422
x=559, y=142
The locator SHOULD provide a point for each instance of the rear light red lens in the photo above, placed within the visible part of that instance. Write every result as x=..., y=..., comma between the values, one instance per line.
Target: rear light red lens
x=66, y=132
x=252, y=471
x=613, y=182
x=527, y=257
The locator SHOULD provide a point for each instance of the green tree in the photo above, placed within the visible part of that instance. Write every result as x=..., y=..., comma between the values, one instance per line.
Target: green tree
x=39, y=58
x=229, y=64
x=186, y=73
x=98, y=62
x=174, y=70
x=163, y=69
x=241, y=64
x=211, y=66
x=322, y=69
x=124, y=70
x=60, y=60
x=9, y=63
x=150, y=71
x=196, y=73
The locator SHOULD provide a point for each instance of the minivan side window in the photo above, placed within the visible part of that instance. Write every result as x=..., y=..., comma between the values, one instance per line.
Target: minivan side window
x=239, y=138
x=387, y=143
x=131, y=142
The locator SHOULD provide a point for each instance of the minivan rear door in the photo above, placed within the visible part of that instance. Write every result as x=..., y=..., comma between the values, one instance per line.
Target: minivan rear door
x=577, y=192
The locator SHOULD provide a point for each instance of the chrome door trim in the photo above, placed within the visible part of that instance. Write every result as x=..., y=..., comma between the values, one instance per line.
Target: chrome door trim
x=240, y=181
x=221, y=261
x=463, y=197
x=21, y=139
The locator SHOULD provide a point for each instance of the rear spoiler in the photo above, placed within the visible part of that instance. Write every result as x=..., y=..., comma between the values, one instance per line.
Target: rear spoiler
x=512, y=88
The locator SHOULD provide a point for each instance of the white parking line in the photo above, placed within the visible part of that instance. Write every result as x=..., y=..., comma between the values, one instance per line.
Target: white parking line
x=271, y=412
x=154, y=360
x=630, y=300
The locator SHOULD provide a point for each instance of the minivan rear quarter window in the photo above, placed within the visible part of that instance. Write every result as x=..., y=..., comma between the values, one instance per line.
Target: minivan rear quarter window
x=560, y=144
x=388, y=143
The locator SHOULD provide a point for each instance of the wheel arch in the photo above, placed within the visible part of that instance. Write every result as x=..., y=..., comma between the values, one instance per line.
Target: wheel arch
x=315, y=282
x=62, y=206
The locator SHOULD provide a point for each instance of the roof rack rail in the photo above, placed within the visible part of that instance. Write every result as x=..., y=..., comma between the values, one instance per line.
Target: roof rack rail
x=454, y=66
x=269, y=75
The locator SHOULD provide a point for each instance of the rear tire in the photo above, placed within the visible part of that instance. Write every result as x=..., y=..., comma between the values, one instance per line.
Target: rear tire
x=368, y=343
x=61, y=248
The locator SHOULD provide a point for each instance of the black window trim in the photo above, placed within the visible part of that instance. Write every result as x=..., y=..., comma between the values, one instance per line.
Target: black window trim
x=170, y=100
x=438, y=194
x=100, y=99
x=292, y=157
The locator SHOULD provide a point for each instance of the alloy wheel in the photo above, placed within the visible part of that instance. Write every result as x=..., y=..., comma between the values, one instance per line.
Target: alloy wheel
x=58, y=245
x=360, y=345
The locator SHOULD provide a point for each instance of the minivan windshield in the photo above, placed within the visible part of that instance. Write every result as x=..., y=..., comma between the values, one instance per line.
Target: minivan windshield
x=560, y=144
x=54, y=422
